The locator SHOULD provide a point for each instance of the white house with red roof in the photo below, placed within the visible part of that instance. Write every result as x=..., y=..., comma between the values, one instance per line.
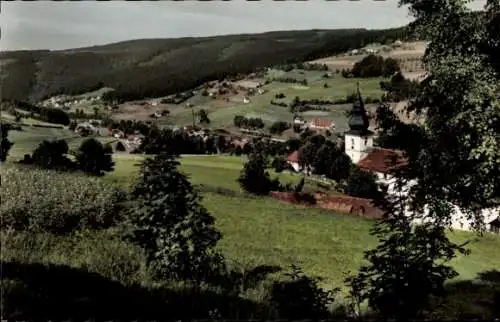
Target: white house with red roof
x=322, y=124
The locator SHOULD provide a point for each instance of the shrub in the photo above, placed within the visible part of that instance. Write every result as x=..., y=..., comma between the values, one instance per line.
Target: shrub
x=301, y=297
x=279, y=164
x=94, y=158
x=55, y=202
x=52, y=155
x=120, y=147
x=5, y=144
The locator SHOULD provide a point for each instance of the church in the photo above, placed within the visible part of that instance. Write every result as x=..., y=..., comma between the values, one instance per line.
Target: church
x=358, y=145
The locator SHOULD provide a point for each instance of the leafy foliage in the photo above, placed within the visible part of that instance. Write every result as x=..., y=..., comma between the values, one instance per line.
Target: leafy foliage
x=204, y=117
x=408, y=267
x=254, y=178
x=375, y=66
x=175, y=231
x=120, y=147
x=94, y=158
x=301, y=297
x=399, y=88
x=253, y=123
x=279, y=127
x=5, y=144
x=454, y=156
x=59, y=203
x=52, y=155
x=362, y=184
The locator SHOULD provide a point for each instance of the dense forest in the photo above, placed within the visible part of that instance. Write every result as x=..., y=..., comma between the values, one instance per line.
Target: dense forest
x=158, y=67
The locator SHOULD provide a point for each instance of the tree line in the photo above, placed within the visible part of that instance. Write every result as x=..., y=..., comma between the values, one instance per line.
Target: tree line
x=373, y=66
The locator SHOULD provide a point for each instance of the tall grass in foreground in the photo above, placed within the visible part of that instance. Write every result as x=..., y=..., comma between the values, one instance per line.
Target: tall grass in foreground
x=49, y=201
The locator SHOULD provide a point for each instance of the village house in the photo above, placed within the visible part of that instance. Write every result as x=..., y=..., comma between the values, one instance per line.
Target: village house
x=321, y=124
x=299, y=120
x=358, y=144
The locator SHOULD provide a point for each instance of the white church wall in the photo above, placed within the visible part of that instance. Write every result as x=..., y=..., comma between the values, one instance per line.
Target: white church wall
x=459, y=219
x=357, y=147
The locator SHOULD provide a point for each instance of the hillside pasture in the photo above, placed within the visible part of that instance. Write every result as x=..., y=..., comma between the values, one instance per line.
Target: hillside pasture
x=221, y=113
x=267, y=231
x=29, y=138
x=256, y=231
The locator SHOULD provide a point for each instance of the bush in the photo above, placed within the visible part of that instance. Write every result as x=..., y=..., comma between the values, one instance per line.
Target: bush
x=120, y=147
x=52, y=155
x=301, y=297
x=279, y=164
x=59, y=203
x=279, y=127
x=94, y=158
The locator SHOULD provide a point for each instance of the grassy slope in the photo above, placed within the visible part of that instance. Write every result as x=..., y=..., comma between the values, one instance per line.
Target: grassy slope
x=27, y=140
x=265, y=231
x=221, y=114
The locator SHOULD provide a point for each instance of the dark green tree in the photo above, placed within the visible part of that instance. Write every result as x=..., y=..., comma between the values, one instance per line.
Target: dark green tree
x=174, y=229
x=301, y=297
x=120, y=147
x=203, y=117
x=52, y=155
x=408, y=268
x=254, y=178
x=5, y=144
x=94, y=158
x=362, y=184
x=456, y=165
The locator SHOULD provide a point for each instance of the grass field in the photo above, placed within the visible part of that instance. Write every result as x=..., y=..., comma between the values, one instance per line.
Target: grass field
x=265, y=231
x=221, y=113
x=27, y=140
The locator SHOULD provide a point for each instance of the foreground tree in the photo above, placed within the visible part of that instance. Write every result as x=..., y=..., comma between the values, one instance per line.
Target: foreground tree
x=409, y=267
x=94, y=158
x=5, y=144
x=456, y=163
x=176, y=232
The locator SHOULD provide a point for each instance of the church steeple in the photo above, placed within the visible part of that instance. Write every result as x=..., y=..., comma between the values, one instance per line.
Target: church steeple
x=358, y=121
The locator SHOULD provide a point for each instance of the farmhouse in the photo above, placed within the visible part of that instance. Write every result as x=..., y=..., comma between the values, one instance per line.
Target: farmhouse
x=320, y=124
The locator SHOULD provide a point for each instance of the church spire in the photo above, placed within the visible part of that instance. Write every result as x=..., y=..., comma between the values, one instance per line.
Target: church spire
x=358, y=121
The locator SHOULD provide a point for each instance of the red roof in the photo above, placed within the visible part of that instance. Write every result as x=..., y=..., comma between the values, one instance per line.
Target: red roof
x=383, y=160
x=322, y=123
x=294, y=157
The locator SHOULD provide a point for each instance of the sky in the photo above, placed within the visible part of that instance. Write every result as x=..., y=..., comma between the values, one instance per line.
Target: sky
x=62, y=25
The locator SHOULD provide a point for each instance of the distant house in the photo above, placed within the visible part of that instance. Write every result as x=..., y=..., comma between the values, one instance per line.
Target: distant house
x=134, y=140
x=85, y=128
x=321, y=124
x=293, y=161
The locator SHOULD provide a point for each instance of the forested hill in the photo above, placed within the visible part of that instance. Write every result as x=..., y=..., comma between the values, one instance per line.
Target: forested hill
x=157, y=67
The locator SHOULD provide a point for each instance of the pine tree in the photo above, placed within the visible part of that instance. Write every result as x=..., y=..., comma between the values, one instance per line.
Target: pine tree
x=175, y=230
